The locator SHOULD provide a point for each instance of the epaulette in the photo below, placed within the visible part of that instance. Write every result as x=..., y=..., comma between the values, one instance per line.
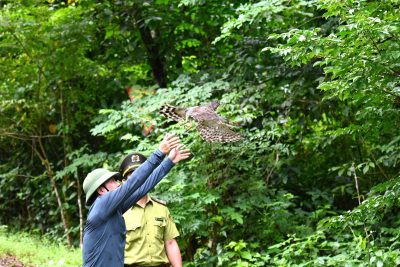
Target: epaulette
x=162, y=202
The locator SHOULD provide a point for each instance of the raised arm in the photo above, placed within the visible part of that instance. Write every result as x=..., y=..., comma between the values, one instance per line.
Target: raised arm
x=114, y=200
x=177, y=154
x=154, y=178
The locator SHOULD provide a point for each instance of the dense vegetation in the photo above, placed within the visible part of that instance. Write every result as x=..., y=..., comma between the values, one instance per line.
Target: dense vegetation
x=313, y=85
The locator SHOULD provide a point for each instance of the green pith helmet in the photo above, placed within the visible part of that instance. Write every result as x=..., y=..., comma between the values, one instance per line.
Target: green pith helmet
x=93, y=180
x=130, y=163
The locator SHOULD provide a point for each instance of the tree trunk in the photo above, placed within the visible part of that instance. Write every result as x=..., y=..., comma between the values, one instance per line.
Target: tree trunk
x=156, y=59
x=66, y=148
x=43, y=157
x=80, y=212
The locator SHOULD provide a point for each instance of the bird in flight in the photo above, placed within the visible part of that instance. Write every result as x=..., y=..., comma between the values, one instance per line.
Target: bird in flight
x=211, y=126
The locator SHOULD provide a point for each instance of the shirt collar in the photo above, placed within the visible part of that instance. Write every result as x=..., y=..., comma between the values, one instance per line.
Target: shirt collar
x=149, y=201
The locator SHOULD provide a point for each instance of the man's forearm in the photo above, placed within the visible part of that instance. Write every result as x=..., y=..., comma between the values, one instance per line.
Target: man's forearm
x=173, y=253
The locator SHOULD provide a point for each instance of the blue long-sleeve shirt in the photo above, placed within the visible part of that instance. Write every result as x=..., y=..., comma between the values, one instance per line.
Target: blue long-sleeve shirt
x=104, y=234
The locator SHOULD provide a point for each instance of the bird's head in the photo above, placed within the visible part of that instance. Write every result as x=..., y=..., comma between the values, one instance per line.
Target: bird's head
x=214, y=105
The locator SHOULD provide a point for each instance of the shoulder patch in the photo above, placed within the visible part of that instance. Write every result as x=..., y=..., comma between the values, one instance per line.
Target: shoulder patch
x=162, y=202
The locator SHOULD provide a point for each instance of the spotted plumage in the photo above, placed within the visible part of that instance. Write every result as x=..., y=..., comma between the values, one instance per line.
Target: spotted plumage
x=211, y=126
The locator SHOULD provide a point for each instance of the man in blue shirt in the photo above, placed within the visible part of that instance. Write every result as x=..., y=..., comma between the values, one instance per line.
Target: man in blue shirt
x=104, y=235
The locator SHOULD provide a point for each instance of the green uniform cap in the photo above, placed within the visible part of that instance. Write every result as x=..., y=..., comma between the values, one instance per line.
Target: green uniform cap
x=130, y=163
x=93, y=180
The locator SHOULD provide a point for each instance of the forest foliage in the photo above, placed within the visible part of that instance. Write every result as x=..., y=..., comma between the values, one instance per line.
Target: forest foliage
x=313, y=86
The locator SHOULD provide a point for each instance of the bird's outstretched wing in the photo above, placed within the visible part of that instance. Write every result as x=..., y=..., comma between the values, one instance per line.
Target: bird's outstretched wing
x=211, y=126
x=214, y=131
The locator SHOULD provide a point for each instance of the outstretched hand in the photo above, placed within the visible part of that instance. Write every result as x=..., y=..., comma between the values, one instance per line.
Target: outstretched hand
x=169, y=142
x=179, y=153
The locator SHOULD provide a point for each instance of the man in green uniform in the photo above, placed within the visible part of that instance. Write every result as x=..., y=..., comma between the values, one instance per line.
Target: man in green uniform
x=150, y=230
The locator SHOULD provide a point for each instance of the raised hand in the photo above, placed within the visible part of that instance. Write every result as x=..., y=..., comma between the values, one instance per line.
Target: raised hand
x=169, y=142
x=179, y=153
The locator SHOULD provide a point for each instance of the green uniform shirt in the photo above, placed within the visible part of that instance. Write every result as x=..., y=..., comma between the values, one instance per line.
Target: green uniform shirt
x=146, y=230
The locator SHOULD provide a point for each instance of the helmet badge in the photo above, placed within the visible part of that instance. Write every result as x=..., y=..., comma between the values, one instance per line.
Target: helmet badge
x=135, y=158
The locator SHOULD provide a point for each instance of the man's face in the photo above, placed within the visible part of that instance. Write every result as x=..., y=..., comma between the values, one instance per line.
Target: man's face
x=111, y=184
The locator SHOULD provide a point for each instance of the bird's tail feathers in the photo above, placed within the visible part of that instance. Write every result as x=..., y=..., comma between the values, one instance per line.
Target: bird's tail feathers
x=170, y=112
